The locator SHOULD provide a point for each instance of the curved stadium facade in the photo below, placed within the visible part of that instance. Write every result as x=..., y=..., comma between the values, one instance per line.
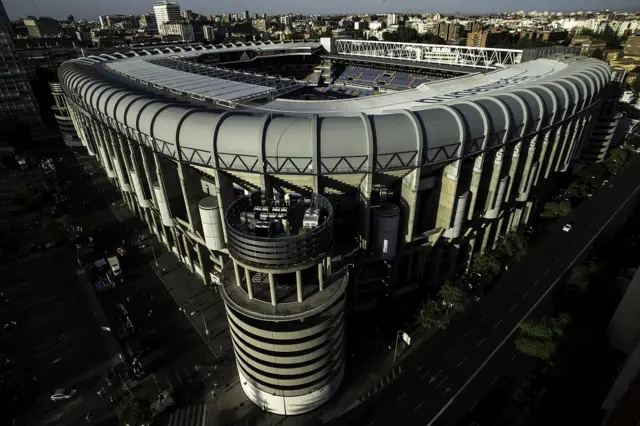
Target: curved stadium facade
x=299, y=208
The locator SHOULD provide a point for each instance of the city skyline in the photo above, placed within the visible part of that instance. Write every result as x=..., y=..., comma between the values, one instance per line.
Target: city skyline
x=85, y=10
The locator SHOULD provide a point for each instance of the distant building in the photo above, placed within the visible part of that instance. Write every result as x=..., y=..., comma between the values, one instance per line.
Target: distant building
x=260, y=24
x=185, y=31
x=19, y=105
x=603, y=127
x=42, y=27
x=245, y=15
x=392, y=19
x=589, y=45
x=552, y=36
x=209, y=32
x=166, y=11
x=448, y=30
x=148, y=23
x=486, y=38
x=632, y=46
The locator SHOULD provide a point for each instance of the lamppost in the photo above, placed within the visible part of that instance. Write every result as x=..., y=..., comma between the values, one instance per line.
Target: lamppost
x=400, y=335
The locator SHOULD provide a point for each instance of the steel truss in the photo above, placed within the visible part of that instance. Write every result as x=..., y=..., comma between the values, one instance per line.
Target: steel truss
x=475, y=57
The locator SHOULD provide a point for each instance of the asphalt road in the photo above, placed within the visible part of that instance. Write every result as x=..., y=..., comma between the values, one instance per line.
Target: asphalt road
x=444, y=378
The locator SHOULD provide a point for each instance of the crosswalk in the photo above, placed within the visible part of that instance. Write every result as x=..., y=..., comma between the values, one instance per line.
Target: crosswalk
x=193, y=415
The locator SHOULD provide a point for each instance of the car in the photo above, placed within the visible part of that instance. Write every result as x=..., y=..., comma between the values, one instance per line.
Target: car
x=63, y=394
x=567, y=227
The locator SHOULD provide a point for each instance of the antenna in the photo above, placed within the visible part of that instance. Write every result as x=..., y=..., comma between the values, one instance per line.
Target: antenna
x=35, y=6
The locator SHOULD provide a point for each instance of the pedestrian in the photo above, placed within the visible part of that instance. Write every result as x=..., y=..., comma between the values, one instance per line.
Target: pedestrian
x=88, y=417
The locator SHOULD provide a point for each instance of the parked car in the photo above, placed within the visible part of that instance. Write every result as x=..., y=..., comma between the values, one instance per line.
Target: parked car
x=567, y=227
x=63, y=394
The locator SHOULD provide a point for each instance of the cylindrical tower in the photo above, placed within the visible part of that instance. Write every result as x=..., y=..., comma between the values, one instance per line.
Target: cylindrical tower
x=285, y=301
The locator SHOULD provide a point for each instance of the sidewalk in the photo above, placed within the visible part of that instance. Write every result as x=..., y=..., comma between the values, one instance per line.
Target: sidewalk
x=226, y=402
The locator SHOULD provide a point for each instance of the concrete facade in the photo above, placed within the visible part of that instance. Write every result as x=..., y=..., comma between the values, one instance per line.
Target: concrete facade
x=463, y=173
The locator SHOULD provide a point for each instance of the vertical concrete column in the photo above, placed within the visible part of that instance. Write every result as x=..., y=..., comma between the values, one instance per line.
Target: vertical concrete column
x=542, y=157
x=178, y=244
x=320, y=276
x=236, y=271
x=299, y=285
x=187, y=252
x=247, y=274
x=513, y=171
x=224, y=188
x=448, y=192
x=189, y=204
x=552, y=152
x=272, y=289
x=485, y=237
x=328, y=266
x=147, y=173
x=203, y=268
x=410, y=196
x=474, y=187
x=364, y=210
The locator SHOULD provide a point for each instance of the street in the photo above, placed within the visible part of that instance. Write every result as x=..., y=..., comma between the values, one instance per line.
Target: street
x=446, y=376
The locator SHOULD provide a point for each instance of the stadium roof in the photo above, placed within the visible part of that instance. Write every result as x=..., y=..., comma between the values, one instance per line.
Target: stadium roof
x=386, y=132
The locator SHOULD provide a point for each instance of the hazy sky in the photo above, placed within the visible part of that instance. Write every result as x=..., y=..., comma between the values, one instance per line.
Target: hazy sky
x=90, y=9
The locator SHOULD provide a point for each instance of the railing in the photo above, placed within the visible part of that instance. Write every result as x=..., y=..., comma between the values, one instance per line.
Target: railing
x=281, y=251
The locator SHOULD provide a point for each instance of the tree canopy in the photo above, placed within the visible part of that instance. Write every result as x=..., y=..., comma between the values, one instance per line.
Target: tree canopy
x=540, y=339
x=555, y=209
x=134, y=412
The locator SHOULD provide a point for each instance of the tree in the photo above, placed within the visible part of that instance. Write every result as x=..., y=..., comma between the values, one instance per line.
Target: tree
x=513, y=247
x=578, y=280
x=432, y=315
x=486, y=265
x=555, y=209
x=29, y=196
x=453, y=298
x=134, y=412
x=578, y=190
x=540, y=339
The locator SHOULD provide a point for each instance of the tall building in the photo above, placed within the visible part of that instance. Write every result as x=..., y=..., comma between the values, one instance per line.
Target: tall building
x=62, y=116
x=245, y=15
x=392, y=19
x=42, y=27
x=18, y=106
x=166, y=11
x=486, y=38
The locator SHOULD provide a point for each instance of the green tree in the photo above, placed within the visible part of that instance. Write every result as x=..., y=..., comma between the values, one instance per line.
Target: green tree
x=578, y=190
x=134, y=412
x=453, y=298
x=486, y=265
x=29, y=196
x=555, y=209
x=432, y=315
x=579, y=277
x=513, y=247
x=540, y=339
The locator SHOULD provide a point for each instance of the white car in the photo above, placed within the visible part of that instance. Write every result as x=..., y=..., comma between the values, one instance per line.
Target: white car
x=567, y=227
x=63, y=394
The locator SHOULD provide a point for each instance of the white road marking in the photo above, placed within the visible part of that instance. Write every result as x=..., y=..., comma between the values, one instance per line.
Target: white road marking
x=497, y=324
x=483, y=317
x=524, y=295
x=590, y=225
x=466, y=333
x=480, y=342
x=512, y=308
x=448, y=350
x=498, y=302
x=441, y=382
x=535, y=305
x=474, y=405
x=373, y=422
x=425, y=374
x=418, y=406
x=401, y=396
x=463, y=360
x=495, y=379
x=536, y=283
x=512, y=358
x=176, y=373
x=547, y=271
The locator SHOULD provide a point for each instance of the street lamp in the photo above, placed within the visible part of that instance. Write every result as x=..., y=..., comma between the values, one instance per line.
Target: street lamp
x=153, y=250
x=400, y=335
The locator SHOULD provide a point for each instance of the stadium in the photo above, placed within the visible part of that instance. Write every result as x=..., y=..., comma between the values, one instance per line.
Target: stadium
x=307, y=179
